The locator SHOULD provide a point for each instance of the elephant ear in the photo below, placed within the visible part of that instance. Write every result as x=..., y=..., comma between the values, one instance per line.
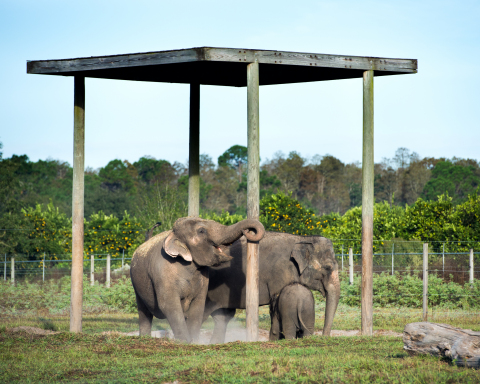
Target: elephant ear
x=174, y=247
x=301, y=254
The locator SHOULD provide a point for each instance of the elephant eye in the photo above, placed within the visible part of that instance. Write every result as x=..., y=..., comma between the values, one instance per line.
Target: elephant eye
x=202, y=230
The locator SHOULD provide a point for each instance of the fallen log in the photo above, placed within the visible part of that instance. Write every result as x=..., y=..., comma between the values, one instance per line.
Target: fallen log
x=462, y=346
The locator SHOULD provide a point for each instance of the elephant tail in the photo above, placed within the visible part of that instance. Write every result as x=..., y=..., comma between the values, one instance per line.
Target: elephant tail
x=304, y=327
x=149, y=233
x=306, y=330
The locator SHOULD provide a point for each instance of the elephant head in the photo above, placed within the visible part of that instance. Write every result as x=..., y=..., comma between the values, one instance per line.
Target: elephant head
x=318, y=270
x=199, y=240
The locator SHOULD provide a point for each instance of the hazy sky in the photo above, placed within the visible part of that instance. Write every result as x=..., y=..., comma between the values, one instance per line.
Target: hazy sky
x=435, y=112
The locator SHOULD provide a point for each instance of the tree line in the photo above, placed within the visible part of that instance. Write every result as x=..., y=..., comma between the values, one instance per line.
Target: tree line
x=322, y=183
x=126, y=198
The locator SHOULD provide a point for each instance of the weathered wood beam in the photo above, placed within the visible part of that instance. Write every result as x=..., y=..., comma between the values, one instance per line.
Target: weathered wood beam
x=76, y=301
x=311, y=59
x=194, y=152
x=233, y=55
x=115, y=61
x=367, y=206
x=253, y=198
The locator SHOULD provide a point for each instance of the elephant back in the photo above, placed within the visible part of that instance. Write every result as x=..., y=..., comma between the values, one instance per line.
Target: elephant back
x=144, y=250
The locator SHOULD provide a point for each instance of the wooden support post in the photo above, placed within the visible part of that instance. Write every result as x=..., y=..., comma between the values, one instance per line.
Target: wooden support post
x=253, y=198
x=471, y=267
x=76, y=301
x=92, y=270
x=350, y=264
x=107, y=279
x=367, y=205
x=12, y=270
x=194, y=152
x=425, y=281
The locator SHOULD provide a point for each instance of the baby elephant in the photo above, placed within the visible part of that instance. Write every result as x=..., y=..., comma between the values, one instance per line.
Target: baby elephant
x=292, y=313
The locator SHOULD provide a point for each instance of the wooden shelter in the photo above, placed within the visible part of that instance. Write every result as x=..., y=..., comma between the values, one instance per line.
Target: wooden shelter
x=236, y=68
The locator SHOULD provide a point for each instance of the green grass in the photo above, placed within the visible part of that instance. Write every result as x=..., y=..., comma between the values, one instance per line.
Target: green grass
x=97, y=358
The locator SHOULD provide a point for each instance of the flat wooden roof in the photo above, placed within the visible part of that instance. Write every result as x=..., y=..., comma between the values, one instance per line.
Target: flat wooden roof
x=222, y=66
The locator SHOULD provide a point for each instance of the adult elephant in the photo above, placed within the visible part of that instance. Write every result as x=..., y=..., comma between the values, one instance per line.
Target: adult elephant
x=170, y=271
x=284, y=259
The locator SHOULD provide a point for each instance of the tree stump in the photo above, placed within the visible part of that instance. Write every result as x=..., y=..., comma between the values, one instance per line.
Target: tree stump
x=459, y=345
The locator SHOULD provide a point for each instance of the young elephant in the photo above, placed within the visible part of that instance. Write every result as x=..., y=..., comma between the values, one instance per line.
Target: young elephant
x=170, y=271
x=292, y=313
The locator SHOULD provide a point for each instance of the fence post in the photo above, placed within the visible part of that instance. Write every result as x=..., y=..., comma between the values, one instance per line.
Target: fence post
x=425, y=281
x=43, y=269
x=123, y=258
x=92, y=270
x=12, y=270
x=393, y=250
x=350, y=264
x=5, y=268
x=107, y=282
x=342, y=257
x=443, y=259
x=471, y=266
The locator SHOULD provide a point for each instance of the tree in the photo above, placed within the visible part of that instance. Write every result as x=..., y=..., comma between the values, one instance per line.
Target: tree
x=236, y=158
x=115, y=175
x=151, y=170
x=454, y=178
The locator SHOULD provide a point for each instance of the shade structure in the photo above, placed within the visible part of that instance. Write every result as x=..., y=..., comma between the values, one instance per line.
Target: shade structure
x=223, y=66
x=235, y=67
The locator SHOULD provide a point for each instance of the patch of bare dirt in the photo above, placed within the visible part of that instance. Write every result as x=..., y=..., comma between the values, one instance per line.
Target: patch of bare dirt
x=380, y=332
x=32, y=331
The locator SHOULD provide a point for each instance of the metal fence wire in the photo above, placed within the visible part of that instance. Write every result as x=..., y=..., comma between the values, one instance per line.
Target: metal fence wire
x=403, y=258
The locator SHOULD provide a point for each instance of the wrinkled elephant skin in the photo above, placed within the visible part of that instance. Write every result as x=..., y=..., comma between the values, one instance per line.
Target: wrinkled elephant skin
x=283, y=259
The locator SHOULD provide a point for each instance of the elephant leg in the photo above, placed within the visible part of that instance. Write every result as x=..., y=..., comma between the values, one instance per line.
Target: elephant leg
x=274, y=328
x=145, y=317
x=289, y=327
x=221, y=317
x=194, y=315
x=171, y=307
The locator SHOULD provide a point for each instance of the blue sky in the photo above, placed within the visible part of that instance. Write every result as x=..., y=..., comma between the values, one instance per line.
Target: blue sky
x=435, y=112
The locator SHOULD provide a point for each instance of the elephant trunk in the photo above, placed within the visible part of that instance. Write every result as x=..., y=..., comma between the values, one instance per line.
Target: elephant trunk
x=252, y=229
x=332, y=293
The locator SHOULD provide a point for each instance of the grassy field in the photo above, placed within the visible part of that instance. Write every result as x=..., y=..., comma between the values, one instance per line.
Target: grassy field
x=101, y=354
x=95, y=358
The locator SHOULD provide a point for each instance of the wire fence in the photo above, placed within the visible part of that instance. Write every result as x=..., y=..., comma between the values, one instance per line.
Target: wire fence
x=457, y=267
x=17, y=268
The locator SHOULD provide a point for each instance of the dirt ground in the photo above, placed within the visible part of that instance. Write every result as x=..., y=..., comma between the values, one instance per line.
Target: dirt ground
x=236, y=334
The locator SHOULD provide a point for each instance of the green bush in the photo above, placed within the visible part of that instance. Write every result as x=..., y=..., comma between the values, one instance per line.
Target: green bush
x=224, y=218
x=283, y=213
x=407, y=291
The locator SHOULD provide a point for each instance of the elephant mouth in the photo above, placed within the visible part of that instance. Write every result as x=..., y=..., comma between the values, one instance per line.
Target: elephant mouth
x=218, y=250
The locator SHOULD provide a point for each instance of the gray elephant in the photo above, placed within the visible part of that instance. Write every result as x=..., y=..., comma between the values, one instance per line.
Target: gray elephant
x=292, y=313
x=283, y=259
x=170, y=271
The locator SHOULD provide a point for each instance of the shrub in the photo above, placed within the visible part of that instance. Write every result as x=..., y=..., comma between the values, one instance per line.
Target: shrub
x=283, y=213
x=224, y=218
x=407, y=291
